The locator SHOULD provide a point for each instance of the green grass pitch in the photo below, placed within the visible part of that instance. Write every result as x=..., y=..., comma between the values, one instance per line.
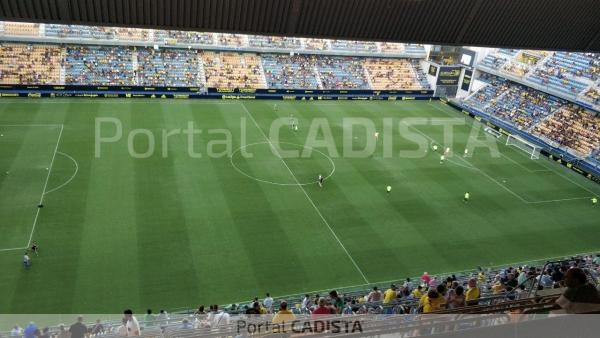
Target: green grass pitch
x=170, y=232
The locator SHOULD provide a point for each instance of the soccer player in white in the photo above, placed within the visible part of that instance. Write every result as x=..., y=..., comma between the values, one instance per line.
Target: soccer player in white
x=466, y=153
x=442, y=158
x=435, y=147
x=376, y=135
x=320, y=180
x=447, y=151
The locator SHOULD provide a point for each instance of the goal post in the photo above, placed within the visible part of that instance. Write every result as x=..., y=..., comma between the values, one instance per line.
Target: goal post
x=531, y=149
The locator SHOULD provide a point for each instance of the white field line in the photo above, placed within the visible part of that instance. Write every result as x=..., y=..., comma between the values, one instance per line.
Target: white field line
x=13, y=249
x=30, y=125
x=37, y=214
x=306, y=194
x=550, y=169
x=70, y=179
x=513, y=161
x=469, y=163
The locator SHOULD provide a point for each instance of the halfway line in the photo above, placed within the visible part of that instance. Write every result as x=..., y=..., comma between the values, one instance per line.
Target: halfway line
x=306, y=194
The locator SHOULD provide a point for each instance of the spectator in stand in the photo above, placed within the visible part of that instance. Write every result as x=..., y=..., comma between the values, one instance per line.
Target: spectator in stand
x=29, y=331
x=322, y=309
x=545, y=280
x=78, y=330
x=163, y=319
x=62, y=332
x=149, y=318
x=511, y=282
x=217, y=317
x=456, y=297
x=283, y=315
x=431, y=302
x=418, y=292
x=133, y=326
x=557, y=275
x=45, y=333
x=580, y=295
x=408, y=284
x=336, y=301
x=375, y=295
x=254, y=309
x=426, y=278
x=305, y=302
x=16, y=331
x=390, y=294
x=473, y=292
x=98, y=328
x=122, y=329
x=200, y=311
x=433, y=282
x=268, y=303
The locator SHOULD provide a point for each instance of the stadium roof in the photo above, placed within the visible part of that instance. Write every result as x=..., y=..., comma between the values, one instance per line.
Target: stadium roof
x=539, y=24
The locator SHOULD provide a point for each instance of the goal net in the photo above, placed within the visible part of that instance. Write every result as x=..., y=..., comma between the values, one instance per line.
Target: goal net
x=531, y=149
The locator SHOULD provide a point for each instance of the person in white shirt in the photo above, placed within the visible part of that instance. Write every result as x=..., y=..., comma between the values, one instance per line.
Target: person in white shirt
x=268, y=303
x=133, y=327
x=217, y=318
x=17, y=331
x=305, y=302
x=122, y=330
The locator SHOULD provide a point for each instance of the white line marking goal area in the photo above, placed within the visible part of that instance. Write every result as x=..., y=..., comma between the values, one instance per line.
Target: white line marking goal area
x=28, y=154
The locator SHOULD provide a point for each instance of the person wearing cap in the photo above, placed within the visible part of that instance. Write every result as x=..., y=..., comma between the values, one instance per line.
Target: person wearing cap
x=390, y=294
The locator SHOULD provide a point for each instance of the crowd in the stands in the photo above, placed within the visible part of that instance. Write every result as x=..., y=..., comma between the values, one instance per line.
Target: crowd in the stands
x=168, y=67
x=29, y=64
x=232, y=70
x=95, y=65
x=143, y=66
x=554, y=120
x=389, y=74
x=523, y=106
x=342, y=72
x=574, y=282
x=171, y=37
x=273, y=42
x=284, y=71
x=572, y=127
x=353, y=46
x=573, y=74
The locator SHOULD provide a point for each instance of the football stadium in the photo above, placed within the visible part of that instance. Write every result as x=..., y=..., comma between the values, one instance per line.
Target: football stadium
x=240, y=168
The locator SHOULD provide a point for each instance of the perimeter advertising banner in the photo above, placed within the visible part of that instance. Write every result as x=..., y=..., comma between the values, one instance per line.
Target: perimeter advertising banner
x=448, y=76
